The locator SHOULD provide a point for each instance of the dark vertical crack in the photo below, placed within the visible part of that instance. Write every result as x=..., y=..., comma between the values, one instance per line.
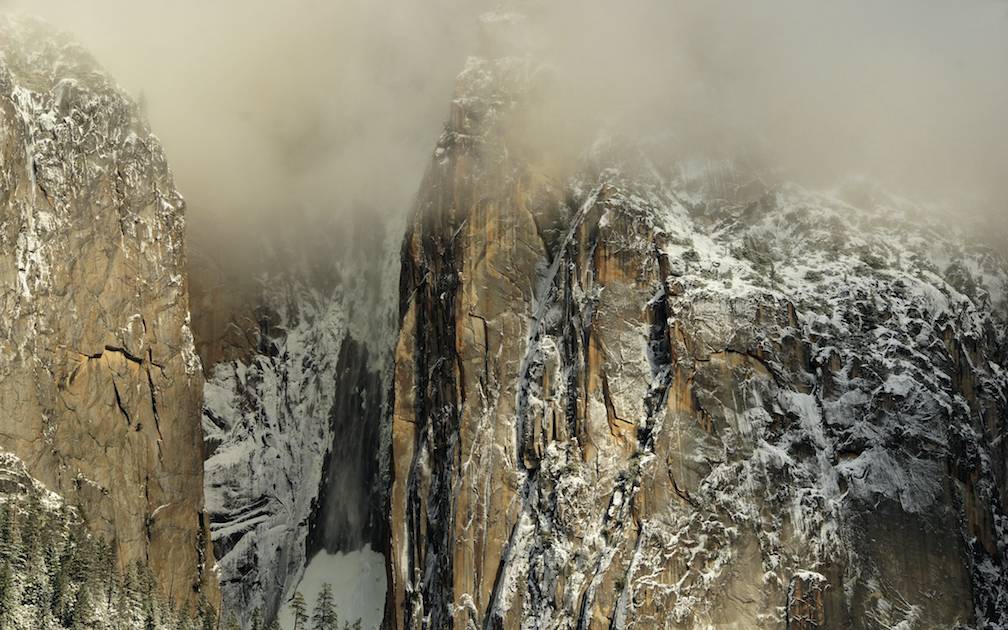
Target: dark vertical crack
x=486, y=348
x=153, y=402
x=610, y=407
x=120, y=405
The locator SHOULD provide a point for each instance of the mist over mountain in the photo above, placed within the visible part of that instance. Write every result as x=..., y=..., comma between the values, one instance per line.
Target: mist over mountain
x=342, y=100
x=469, y=314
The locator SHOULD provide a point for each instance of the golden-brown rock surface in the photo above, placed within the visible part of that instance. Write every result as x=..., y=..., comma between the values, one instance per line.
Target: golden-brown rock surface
x=100, y=386
x=640, y=393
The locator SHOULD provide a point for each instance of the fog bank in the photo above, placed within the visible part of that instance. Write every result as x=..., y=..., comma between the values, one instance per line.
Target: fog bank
x=266, y=108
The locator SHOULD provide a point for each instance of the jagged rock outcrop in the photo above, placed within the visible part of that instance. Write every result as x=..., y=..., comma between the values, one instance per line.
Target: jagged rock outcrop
x=648, y=391
x=296, y=363
x=100, y=387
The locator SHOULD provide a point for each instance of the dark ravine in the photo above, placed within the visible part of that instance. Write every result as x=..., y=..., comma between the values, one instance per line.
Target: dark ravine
x=296, y=357
x=349, y=512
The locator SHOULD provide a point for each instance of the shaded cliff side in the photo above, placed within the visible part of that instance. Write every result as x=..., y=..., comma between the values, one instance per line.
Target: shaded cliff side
x=652, y=391
x=296, y=348
x=100, y=386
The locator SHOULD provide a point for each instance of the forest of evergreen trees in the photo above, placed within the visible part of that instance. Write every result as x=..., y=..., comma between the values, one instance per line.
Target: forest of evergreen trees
x=55, y=575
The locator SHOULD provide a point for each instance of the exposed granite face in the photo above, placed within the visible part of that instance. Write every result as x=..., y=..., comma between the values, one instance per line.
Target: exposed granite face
x=661, y=393
x=100, y=387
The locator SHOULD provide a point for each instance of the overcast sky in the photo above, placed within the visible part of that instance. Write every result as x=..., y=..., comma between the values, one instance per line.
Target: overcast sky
x=263, y=105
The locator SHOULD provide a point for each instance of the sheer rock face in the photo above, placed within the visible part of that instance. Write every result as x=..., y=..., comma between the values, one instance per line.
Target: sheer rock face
x=100, y=386
x=664, y=394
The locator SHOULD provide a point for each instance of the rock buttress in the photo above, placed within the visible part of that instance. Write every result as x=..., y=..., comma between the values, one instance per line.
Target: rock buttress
x=100, y=387
x=669, y=394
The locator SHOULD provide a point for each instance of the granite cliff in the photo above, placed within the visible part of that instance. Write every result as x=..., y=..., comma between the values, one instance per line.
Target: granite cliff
x=651, y=390
x=100, y=385
x=628, y=386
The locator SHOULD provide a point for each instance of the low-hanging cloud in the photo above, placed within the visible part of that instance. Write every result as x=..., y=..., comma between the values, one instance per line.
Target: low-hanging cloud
x=911, y=93
x=267, y=107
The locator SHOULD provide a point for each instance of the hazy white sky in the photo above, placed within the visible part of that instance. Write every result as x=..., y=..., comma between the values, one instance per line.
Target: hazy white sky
x=266, y=106
x=337, y=103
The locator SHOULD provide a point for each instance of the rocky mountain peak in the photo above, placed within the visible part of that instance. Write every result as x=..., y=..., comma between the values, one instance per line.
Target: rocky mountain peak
x=646, y=390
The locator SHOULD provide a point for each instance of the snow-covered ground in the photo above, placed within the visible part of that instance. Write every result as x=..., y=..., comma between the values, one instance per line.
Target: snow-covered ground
x=358, y=583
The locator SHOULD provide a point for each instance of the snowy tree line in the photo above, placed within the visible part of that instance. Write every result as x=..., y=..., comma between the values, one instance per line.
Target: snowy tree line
x=322, y=617
x=54, y=575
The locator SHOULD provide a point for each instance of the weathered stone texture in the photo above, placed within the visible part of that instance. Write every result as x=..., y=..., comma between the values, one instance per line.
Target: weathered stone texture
x=100, y=387
x=642, y=394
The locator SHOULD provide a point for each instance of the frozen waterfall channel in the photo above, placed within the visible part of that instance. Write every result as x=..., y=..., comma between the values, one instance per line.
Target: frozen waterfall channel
x=358, y=583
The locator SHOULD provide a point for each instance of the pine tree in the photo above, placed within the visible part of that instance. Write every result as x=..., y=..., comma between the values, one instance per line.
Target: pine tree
x=123, y=611
x=232, y=623
x=82, y=613
x=104, y=572
x=31, y=525
x=14, y=549
x=325, y=617
x=7, y=601
x=36, y=587
x=11, y=550
x=42, y=619
x=60, y=595
x=208, y=615
x=80, y=554
x=300, y=610
x=6, y=529
x=182, y=618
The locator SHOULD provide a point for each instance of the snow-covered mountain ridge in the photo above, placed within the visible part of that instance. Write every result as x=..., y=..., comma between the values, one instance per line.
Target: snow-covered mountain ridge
x=669, y=392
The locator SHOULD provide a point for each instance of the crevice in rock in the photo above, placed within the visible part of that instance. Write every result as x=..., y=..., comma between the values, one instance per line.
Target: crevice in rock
x=120, y=405
x=154, y=407
x=124, y=352
x=486, y=347
x=613, y=418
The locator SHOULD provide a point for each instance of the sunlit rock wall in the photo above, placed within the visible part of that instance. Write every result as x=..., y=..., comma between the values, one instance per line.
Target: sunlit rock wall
x=648, y=391
x=100, y=386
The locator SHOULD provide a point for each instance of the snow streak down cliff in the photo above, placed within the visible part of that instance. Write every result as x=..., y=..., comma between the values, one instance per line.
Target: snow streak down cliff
x=663, y=392
x=99, y=381
x=297, y=373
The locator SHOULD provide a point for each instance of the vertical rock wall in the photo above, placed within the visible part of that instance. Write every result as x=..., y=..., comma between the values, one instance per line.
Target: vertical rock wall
x=100, y=387
x=639, y=393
